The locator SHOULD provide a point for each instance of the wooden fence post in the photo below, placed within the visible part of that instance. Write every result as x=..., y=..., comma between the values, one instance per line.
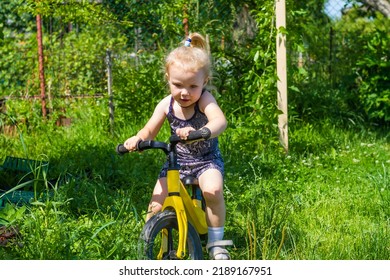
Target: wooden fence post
x=185, y=20
x=41, y=66
x=281, y=68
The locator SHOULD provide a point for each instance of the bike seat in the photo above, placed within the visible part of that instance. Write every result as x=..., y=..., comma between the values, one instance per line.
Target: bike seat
x=190, y=180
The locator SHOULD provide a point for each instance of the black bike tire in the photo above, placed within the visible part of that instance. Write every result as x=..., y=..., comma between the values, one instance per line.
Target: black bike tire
x=167, y=220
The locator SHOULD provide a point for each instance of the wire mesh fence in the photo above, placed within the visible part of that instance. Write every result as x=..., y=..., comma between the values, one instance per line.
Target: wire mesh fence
x=76, y=68
x=334, y=8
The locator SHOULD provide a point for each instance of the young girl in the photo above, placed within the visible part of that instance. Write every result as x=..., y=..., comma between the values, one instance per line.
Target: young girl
x=190, y=107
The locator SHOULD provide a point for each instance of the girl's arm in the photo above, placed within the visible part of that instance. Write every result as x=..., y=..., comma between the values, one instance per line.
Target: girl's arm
x=217, y=121
x=152, y=127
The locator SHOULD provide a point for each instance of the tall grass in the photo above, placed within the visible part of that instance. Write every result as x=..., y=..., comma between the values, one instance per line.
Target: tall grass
x=328, y=198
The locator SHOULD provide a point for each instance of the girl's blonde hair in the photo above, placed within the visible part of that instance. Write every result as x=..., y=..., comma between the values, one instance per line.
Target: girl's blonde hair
x=192, y=58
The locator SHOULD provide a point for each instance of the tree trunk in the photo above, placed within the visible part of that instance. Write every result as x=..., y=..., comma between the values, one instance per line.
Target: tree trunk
x=382, y=6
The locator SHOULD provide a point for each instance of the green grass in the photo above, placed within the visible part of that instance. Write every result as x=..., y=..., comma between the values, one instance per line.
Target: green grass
x=329, y=198
x=329, y=202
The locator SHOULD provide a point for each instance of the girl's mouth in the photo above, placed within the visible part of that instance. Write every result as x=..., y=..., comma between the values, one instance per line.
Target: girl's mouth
x=185, y=103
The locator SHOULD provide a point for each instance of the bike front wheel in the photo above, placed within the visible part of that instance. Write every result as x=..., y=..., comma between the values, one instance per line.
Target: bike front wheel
x=165, y=222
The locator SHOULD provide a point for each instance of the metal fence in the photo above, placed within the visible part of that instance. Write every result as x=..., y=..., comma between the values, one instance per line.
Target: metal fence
x=334, y=8
x=323, y=59
x=328, y=51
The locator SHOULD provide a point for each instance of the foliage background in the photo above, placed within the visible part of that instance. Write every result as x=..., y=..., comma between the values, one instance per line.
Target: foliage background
x=90, y=205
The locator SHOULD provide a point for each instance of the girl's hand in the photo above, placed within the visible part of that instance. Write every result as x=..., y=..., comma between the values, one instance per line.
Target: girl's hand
x=131, y=143
x=184, y=132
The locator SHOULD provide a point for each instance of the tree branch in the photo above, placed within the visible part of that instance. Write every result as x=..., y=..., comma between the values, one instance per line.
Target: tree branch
x=382, y=6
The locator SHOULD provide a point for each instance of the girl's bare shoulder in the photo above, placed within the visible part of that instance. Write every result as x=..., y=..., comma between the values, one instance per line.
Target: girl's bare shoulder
x=206, y=99
x=163, y=105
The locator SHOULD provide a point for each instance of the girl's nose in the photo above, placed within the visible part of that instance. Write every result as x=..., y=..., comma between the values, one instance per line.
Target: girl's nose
x=185, y=92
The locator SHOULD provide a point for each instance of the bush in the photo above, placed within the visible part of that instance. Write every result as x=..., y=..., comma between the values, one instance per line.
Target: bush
x=373, y=82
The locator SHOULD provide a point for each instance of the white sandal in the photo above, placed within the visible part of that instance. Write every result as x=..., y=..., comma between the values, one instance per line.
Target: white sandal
x=217, y=249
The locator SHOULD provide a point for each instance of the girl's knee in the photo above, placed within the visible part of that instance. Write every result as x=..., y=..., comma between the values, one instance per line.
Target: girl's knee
x=213, y=196
x=153, y=209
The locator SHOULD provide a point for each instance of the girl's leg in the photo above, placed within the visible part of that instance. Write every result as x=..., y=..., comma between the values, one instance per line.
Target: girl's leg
x=159, y=193
x=211, y=183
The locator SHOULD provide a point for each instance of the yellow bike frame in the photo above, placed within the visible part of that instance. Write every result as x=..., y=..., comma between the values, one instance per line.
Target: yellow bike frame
x=187, y=210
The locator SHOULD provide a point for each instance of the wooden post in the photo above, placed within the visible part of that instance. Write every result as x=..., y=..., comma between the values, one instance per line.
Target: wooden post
x=41, y=66
x=109, y=88
x=185, y=21
x=281, y=68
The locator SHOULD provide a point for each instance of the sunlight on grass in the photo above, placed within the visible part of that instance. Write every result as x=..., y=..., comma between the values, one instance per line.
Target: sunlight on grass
x=329, y=198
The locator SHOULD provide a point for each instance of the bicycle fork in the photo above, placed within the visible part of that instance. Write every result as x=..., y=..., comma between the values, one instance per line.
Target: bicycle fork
x=174, y=201
x=179, y=200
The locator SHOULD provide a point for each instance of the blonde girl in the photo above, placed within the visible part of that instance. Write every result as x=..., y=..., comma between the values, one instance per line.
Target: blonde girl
x=189, y=107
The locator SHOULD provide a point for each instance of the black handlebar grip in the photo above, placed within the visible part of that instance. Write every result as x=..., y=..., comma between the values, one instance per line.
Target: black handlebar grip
x=121, y=150
x=143, y=145
x=203, y=133
x=206, y=133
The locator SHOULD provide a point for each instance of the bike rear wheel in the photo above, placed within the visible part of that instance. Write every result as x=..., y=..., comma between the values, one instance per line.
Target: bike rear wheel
x=150, y=238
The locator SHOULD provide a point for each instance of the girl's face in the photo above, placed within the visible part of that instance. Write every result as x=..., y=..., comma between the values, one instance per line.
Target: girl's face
x=185, y=86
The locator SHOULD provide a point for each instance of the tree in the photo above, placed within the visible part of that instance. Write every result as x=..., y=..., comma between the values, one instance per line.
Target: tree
x=382, y=6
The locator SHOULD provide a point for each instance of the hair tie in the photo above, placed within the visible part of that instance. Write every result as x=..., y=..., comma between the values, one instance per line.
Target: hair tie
x=187, y=43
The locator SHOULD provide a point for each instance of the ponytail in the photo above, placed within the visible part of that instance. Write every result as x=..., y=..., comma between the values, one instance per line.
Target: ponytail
x=192, y=55
x=196, y=40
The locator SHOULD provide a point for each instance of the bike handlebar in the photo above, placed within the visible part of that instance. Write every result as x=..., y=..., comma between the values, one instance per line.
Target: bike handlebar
x=203, y=133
